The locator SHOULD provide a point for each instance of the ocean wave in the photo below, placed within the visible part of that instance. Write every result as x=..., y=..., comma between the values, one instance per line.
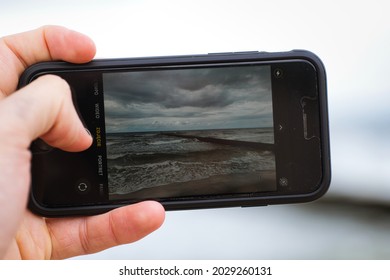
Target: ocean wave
x=129, y=178
x=136, y=161
x=167, y=142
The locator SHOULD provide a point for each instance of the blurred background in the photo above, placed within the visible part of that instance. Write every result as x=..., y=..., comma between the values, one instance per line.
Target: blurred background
x=351, y=37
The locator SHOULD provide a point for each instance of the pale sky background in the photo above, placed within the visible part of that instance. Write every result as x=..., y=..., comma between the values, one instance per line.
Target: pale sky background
x=351, y=37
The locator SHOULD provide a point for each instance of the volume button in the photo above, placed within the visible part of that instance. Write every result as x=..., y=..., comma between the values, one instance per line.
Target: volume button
x=247, y=52
x=230, y=53
x=221, y=53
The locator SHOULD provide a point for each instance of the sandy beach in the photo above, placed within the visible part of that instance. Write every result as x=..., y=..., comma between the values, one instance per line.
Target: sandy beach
x=218, y=184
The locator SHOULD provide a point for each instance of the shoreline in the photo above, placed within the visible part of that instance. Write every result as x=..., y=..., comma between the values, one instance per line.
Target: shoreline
x=220, y=141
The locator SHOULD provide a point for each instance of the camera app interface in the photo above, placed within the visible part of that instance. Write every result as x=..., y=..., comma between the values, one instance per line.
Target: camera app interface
x=189, y=132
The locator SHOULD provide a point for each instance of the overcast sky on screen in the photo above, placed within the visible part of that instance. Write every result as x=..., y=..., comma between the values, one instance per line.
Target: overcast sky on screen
x=188, y=99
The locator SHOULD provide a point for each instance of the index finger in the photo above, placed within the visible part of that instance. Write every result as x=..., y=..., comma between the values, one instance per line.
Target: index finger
x=19, y=51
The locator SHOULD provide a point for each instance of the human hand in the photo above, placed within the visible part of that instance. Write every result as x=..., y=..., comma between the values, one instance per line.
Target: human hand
x=44, y=109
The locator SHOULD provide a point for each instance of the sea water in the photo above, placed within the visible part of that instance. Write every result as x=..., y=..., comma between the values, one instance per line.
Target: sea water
x=138, y=160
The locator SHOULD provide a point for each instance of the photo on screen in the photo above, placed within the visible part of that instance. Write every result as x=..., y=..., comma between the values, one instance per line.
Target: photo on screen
x=189, y=132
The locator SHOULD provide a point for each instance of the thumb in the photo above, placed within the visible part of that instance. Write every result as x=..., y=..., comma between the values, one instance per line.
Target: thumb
x=43, y=109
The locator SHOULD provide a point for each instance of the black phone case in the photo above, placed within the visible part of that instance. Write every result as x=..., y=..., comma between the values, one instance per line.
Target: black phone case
x=48, y=67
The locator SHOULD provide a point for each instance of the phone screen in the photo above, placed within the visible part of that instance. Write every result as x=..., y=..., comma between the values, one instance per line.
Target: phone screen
x=189, y=132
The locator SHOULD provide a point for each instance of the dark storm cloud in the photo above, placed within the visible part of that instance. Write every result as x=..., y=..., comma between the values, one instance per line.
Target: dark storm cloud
x=196, y=88
x=192, y=94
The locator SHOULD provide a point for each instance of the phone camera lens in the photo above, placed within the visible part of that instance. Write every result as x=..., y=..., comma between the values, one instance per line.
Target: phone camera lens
x=39, y=147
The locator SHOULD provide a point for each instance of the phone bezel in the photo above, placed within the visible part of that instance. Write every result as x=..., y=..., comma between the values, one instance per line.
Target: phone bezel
x=200, y=60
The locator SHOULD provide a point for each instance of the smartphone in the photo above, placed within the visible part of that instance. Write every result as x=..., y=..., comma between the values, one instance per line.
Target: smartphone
x=198, y=131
